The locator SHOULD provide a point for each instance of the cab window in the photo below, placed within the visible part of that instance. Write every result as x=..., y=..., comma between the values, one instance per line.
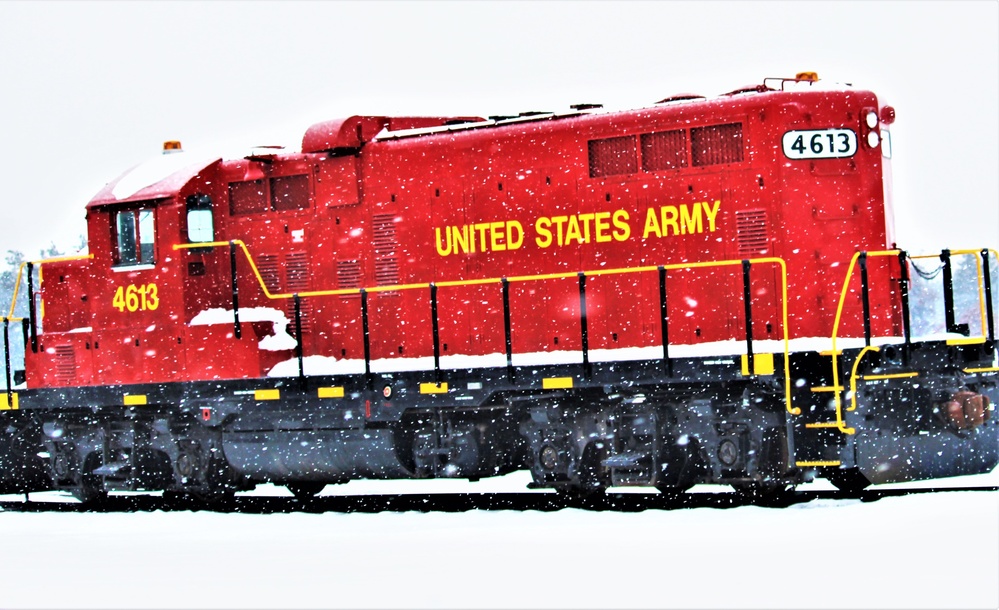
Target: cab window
x=134, y=237
x=200, y=225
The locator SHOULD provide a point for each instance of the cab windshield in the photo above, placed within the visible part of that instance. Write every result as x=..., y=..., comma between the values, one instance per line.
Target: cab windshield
x=134, y=233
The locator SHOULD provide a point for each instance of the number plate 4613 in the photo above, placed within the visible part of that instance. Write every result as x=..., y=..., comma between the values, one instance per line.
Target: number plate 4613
x=820, y=144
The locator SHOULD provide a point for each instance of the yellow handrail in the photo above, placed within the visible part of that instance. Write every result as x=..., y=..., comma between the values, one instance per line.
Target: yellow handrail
x=20, y=272
x=17, y=286
x=853, y=378
x=840, y=423
x=532, y=278
x=979, y=276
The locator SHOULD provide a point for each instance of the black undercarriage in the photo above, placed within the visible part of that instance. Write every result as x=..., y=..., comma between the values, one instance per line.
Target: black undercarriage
x=577, y=428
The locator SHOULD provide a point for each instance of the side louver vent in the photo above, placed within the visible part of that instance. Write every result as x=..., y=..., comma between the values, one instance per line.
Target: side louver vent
x=64, y=365
x=348, y=275
x=267, y=265
x=752, y=232
x=296, y=274
x=296, y=269
x=386, y=250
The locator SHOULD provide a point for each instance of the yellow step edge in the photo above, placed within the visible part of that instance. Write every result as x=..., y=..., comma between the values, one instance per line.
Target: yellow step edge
x=8, y=405
x=989, y=369
x=132, y=400
x=333, y=392
x=556, y=383
x=433, y=388
x=819, y=463
x=966, y=341
x=891, y=376
x=832, y=424
x=274, y=394
x=763, y=364
x=828, y=388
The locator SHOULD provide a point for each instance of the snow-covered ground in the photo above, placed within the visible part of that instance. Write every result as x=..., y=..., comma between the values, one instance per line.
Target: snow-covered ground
x=925, y=550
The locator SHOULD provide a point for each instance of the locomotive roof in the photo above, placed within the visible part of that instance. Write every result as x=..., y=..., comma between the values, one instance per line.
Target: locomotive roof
x=159, y=177
x=164, y=175
x=597, y=109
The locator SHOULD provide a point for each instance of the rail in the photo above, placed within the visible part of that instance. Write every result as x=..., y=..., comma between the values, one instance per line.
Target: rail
x=983, y=277
x=504, y=283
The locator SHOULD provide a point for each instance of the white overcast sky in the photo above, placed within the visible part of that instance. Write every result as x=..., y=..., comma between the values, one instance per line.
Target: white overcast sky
x=89, y=89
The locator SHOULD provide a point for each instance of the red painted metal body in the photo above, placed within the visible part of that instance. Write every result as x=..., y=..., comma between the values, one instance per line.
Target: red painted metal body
x=375, y=201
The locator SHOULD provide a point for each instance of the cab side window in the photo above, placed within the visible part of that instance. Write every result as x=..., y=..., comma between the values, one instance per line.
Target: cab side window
x=200, y=225
x=134, y=237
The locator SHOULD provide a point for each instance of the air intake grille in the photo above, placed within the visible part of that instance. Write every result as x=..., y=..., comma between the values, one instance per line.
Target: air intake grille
x=716, y=144
x=752, y=232
x=290, y=193
x=612, y=156
x=664, y=150
x=247, y=197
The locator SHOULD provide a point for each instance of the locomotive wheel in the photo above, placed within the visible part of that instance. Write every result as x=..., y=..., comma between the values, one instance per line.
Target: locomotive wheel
x=305, y=490
x=91, y=490
x=219, y=486
x=681, y=463
x=594, y=479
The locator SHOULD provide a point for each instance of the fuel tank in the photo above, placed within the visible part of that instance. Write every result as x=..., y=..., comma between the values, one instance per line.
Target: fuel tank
x=308, y=455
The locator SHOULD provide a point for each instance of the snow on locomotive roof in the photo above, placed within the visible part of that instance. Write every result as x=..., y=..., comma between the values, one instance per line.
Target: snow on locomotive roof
x=157, y=177
x=385, y=134
x=163, y=175
x=585, y=109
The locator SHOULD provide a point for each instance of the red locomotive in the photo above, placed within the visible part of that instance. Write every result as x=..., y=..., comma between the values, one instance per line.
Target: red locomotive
x=702, y=290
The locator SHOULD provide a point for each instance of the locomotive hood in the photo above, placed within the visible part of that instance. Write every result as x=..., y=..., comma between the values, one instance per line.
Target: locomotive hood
x=157, y=178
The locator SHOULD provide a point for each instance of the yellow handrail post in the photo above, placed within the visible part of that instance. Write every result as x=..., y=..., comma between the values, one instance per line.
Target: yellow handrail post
x=838, y=399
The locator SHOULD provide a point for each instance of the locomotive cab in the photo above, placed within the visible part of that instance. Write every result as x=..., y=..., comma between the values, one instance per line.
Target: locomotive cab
x=124, y=314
